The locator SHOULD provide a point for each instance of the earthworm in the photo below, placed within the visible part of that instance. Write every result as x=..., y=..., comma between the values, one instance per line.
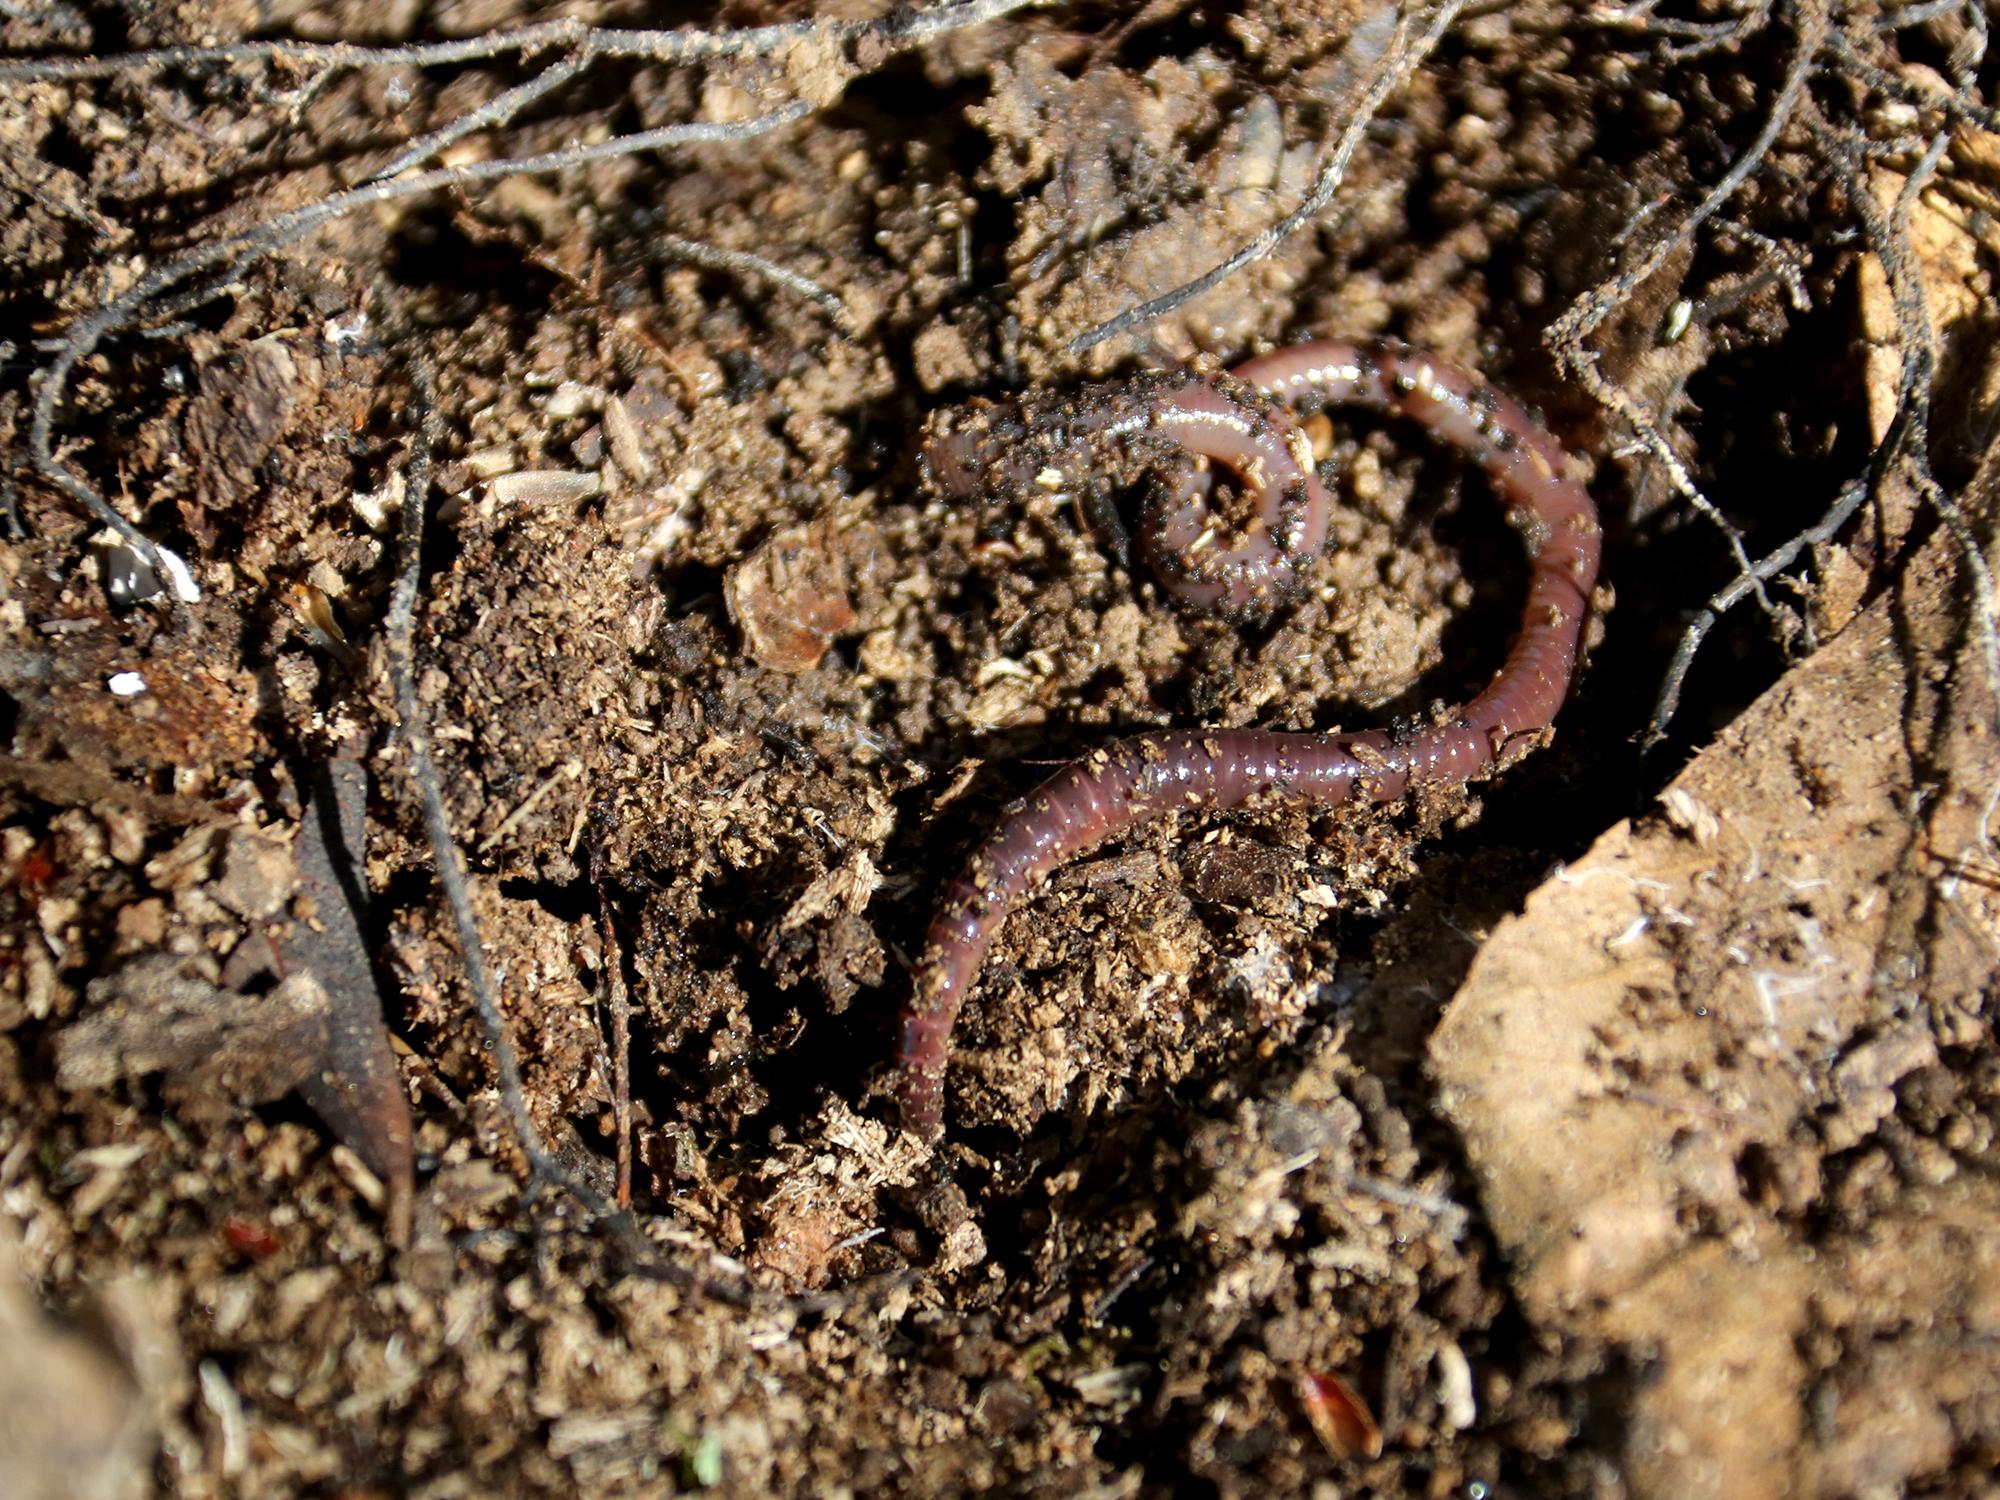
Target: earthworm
x=1169, y=432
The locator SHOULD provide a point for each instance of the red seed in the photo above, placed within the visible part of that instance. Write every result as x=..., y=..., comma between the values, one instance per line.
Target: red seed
x=252, y=1240
x=1340, y=1419
x=35, y=872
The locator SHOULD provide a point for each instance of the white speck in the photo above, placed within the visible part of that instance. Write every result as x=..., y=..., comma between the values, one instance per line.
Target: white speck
x=1002, y=666
x=491, y=463
x=127, y=684
x=185, y=588
x=574, y=399
x=374, y=507
x=1634, y=930
x=1454, y=1379
x=221, y=1399
x=670, y=512
x=344, y=335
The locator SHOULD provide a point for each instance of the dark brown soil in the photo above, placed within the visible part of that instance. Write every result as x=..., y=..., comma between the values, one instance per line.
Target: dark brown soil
x=1613, y=1126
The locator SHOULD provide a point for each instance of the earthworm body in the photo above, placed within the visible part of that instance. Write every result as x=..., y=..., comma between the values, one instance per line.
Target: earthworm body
x=1169, y=432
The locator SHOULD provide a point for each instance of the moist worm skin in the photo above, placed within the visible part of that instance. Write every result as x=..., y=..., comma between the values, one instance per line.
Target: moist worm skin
x=1169, y=431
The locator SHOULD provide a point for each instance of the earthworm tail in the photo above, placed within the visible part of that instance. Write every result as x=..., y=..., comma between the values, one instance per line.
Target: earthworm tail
x=1162, y=428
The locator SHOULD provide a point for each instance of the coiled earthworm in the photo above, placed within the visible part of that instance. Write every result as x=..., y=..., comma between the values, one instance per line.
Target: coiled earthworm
x=1168, y=431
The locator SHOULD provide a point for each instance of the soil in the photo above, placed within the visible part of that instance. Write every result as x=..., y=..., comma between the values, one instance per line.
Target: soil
x=1618, y=1125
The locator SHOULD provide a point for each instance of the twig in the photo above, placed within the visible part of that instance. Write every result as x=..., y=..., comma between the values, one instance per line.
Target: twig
x=242, y=250
x=566, y=34
x=618, y=1003
x=1781, y=264
x=415, y=728
x=1567, y=334
x=10, y=510
x=1408, y=55
x=497, y=111
x=1960, y=104
x=1449, y=1216
x=399, y=630
x=1700, y=38
x=1915, y=15
x=1889, y=239
x=741, y=263
x=579, y=43
x=1668, y=701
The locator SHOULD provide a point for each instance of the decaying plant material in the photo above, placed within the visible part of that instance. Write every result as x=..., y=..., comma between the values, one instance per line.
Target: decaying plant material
x=525, y=399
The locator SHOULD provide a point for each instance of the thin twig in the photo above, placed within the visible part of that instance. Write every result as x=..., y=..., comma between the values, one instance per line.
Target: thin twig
x=617, y=1002
x=240, y=251
x=415, y=728
x=495, y=112
x=579, y=43
x=1906, y=440
x=399, y=630
x=1960, y=104
x=1889, y=239
x=1668, y=702
x=1915, y=15
x=566, y=34
x=1407, y=57
x=1699, y=38
x=742, y=263
x=1567, y=334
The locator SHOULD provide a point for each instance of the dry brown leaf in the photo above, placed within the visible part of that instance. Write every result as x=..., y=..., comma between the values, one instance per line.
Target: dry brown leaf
x=1689, y=1040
